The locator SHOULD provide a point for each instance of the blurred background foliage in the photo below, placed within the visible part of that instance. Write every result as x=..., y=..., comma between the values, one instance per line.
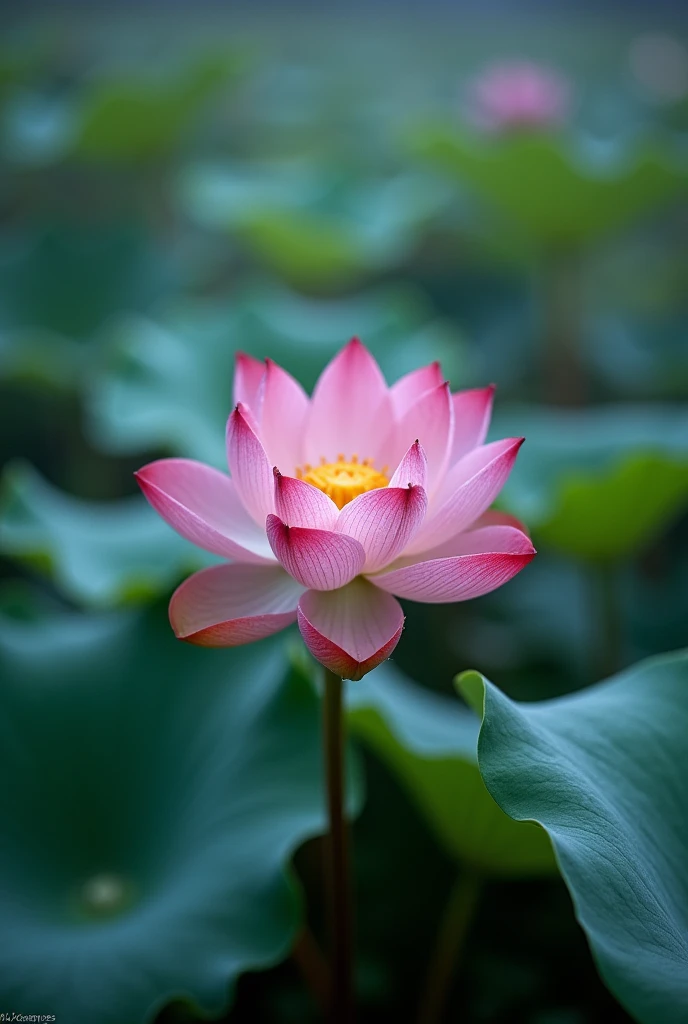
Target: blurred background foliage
x=177, y=185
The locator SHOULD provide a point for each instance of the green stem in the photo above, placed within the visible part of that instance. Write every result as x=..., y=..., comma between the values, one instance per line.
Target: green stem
x=609, y=632
x=451, y=937
x=314, y=969
x=337, y=847
x=564, y=378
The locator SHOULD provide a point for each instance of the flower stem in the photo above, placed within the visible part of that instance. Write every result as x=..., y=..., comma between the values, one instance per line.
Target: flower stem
x=313, y=967
x=609, y=619
x=337, y=854
x=564, y=377
x=451, y=937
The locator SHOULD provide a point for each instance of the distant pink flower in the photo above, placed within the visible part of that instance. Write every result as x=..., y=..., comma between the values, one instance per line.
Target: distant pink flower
x=336, y=503
x=519, y=95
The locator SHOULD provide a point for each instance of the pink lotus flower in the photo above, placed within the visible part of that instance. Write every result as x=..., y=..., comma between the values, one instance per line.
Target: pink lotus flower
x=337, y=503
x=519, y=95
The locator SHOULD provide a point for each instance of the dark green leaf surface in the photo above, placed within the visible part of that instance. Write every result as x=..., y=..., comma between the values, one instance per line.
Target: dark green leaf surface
x=41, y=359
x=68, y=280
x=429, y=743
x=154, y=794
x=605, y=771
x=600, y=484
x=97, y=553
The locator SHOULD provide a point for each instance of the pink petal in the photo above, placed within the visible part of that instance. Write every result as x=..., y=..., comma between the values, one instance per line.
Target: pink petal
x=300, y=504
x=413, y=468
x=202, y=505
x=409, y=388
x=493, y=533
x=469, y=489
x=383, y=521
x=472, y=412
x=493, y=517
x=318, y=559
x=228, y=605
x=430, y=420
x=350, y=408
x=482, y=560
x=284, y=411
x=248, y=377
x=350, y=631
x=248, y=464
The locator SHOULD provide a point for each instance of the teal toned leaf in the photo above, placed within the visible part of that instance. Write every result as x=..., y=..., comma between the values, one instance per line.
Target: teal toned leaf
x=605, y=772
x=602, y=483
x=68, y=280
x=169, y=385
x=97, y=553
x=157, y=793
x=308, y=225
x=429, y=743
x=559, y=196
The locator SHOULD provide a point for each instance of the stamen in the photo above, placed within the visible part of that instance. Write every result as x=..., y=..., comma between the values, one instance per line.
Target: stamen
x=343, y=481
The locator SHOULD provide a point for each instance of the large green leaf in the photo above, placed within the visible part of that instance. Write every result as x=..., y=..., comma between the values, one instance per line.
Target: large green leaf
x=138, y=118
x=98, y=553
x=605, y=771
x=304, y=249
x=429, y=743
x=154, y=795
x=560, y=196
x=601, y=483
x=170, y=385
x=312, y=226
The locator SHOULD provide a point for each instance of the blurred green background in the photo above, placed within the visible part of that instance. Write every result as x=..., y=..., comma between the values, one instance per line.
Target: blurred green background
x=181, y=182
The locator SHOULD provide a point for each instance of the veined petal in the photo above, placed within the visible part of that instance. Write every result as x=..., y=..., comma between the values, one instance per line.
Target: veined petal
x=472, y=412
x=228, y=605
x=318, y=559
x=383, y=521
x=284, y=411
x=248, y=377
x=409, y=388
x=469, y=565
x=493, y=517
x=431, y=420
x=350, y=408
x=469, y=489
x=413, y=468
x=494, y=532
x=202, y=504
x=248, y=465
x=350, y=631
x=300, y=504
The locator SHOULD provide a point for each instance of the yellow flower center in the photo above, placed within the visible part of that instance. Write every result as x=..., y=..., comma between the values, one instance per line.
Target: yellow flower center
x=343, y=481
